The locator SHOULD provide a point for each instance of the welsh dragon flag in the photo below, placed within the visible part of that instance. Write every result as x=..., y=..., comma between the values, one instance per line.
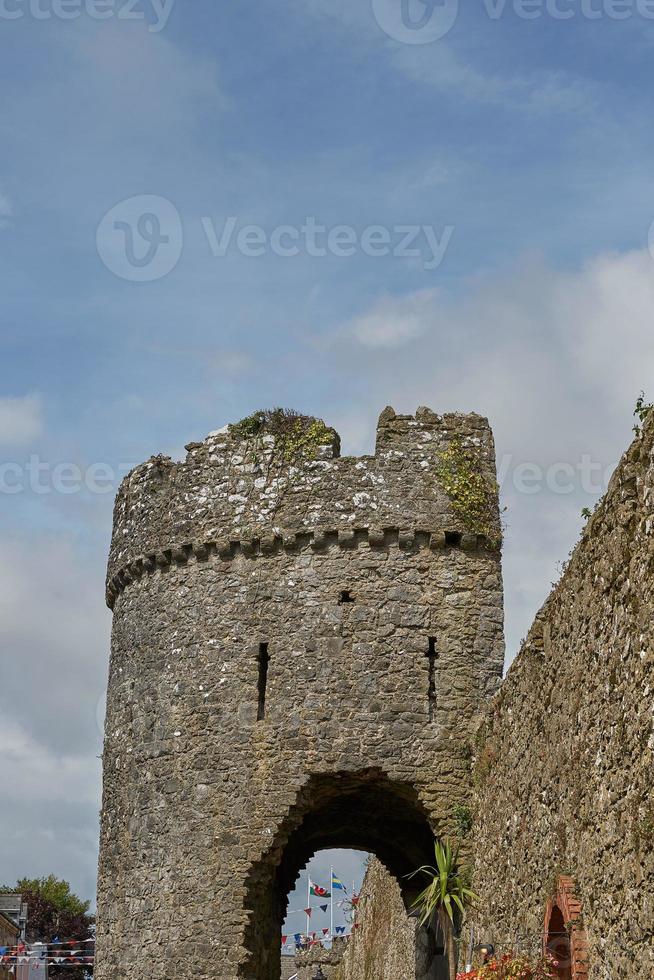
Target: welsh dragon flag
x=318, y=891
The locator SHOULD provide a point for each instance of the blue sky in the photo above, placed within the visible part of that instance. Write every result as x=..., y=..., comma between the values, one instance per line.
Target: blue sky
x=523, y=146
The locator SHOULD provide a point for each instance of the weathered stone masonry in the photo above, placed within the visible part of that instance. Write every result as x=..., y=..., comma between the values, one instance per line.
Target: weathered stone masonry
x=565, y=768
x=255, y=714
x=387, y=944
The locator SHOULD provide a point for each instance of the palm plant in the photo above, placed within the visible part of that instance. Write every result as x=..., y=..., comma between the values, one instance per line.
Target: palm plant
x=447, y=896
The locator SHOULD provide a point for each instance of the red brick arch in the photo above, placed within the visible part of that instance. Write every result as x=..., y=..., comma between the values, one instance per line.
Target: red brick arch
x=564, y=936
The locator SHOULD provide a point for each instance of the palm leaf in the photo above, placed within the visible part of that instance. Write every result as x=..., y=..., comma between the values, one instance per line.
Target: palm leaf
x=446, y=888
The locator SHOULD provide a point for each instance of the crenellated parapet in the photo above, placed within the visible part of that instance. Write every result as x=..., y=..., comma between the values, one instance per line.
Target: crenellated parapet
x=257, y=491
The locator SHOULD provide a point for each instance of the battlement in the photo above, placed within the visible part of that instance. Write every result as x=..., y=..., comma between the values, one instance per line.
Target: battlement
x=274, y=476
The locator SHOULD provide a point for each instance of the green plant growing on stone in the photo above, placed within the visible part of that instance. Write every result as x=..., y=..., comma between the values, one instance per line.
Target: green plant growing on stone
x=294, y=434
x=641, y=411
x=462, y=815
x=447, y=897
x=471, y=494
x=586, y=513
x=250, y=426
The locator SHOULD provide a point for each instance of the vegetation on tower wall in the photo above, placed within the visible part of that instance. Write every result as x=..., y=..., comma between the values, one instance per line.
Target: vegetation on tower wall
x=294, y=434
x=471, y=493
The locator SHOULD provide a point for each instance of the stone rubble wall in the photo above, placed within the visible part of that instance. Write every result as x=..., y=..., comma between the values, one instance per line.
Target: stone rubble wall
x=384, y=945
x=289, y=968
x=565, y=757
x=229, y=494
x=329, y=961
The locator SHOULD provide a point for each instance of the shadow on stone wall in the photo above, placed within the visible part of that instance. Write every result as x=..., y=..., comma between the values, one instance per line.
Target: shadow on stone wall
x=363, y=810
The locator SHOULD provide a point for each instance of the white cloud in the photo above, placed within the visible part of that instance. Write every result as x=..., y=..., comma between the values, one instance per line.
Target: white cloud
x=54, y=630
x=56, y=627
x=173, y=88
x=538, y=91
x=50, y=805
x=555, y=359
x=32, y=772
x=21, y=420
x=393, y=321
x=439, y=65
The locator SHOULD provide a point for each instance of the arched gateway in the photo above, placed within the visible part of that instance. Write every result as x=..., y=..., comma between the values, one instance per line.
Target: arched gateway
x=300, y=644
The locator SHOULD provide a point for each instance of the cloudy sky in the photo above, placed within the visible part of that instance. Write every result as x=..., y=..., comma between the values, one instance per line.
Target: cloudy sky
x=329, y=204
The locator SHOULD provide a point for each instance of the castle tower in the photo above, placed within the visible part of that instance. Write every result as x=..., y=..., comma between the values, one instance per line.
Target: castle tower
x=300, y=644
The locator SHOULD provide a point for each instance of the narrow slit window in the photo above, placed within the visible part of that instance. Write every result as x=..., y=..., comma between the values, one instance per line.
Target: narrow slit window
x=263, y=660
x=432, y=656
x=346, y=596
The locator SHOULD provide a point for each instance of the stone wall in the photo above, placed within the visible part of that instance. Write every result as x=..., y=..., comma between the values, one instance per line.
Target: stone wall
x=329, y=961
x=386, y=942
x=299, y=648
x=565, y=764
x=289, y=969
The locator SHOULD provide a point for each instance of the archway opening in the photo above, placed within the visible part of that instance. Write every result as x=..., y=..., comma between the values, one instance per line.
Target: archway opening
x=558, y=943
x=323, y=904
x=564, y=935
x=363, y=811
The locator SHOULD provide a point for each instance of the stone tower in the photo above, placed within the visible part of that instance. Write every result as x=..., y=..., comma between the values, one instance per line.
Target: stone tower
x=300, y=644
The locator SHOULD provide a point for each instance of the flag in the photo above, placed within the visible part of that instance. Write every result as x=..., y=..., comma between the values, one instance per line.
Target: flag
x=298, y=937
x=325, y=932
x=340, y=929
x=337, y=884
x=308, y=912
x=317, y=890
x=323, y=908
x=284, y=938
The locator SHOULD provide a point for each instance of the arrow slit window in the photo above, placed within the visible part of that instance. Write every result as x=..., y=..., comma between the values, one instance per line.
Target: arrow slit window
x=263, y=661
x=432, y=694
